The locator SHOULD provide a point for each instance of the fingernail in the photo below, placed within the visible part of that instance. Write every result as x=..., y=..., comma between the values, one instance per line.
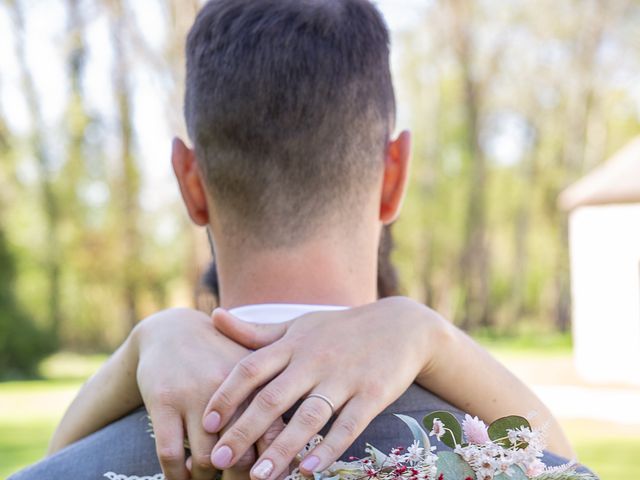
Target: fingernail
x=221, y=458
x=263, y=469
x=211, y=422
x=310, y=463
x=189, y=464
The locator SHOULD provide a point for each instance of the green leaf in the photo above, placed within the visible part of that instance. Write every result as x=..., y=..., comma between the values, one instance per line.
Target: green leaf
x=416, y=429
x=498, y=429
x=515, y=473
x=450, y=422
x=377, y=456
x=319, y=476
x=453, y=467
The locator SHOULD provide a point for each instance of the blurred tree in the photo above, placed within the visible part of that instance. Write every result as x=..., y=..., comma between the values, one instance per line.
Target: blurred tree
x=509, y=103
x=48, y=195
x=22, y=344
x=473, y=274
x=128, y=183
x=87, y=232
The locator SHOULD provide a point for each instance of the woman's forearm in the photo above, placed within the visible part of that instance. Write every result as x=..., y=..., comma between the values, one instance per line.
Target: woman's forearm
x=108, y=395
x=466, y=375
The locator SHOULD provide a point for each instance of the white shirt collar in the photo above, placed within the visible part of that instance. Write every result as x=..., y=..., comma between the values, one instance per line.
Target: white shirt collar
x=278, y=312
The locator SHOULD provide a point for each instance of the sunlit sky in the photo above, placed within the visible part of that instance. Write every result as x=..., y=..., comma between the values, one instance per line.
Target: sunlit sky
x=45, y=48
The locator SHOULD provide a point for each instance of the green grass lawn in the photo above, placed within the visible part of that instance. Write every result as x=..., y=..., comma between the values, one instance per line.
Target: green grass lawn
x=613, y=458
x=30, y=410
x=612, y=451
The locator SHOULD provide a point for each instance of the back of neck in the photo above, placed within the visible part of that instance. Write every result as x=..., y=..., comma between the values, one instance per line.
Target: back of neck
x=310, y=274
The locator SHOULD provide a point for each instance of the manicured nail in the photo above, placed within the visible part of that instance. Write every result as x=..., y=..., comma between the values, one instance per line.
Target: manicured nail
x=211, y=422
x=189, y=464
x=221, y=458
x=309, y=463
x=263, y=469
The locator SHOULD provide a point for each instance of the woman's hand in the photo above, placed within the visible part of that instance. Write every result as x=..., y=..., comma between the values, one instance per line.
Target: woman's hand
x=179, y=360
x=240, y=470
x=182, y=360
x=361, y=359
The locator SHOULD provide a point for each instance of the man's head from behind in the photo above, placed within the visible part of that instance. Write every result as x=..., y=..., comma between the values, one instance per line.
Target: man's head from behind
x=289, y=104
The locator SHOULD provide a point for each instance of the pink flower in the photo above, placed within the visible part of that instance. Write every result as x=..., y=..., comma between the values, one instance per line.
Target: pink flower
x=475, y=430
x=438, y=428
x=535, y=468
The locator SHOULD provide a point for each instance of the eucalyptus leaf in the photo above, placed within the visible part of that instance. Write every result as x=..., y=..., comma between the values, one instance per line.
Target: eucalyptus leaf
x=453, y=467
x=416, y=429
x=450, y=422
x=378, y=457
x=515, y=473
x=498, y=430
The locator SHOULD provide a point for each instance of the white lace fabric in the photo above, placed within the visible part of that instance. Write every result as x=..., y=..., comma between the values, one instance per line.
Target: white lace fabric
x=118, y=476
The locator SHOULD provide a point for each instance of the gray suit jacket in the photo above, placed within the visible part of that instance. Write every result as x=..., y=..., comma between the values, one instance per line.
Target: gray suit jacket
x=126, y=448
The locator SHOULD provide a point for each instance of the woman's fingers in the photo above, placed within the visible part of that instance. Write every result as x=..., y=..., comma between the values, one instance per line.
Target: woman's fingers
x=169, y=433
x=312, y=414
x=249, y=374
x=267, y=439
x=268, y=404
x=200, y=443
x=246, y=461
x=249, y=335
x=353, y=419
x=269, y=436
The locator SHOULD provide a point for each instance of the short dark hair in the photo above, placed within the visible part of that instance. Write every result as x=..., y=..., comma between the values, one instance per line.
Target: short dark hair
x=289, y=104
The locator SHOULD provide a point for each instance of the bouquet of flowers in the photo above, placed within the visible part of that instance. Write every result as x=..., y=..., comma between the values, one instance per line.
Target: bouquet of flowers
x=508, y=449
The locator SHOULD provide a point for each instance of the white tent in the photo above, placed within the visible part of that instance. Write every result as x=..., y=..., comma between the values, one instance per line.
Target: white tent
x=604, y=226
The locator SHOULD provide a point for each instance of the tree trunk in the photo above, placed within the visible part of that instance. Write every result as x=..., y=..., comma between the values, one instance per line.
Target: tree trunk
x=51, y=207
x=129, y=180
x=473, y=278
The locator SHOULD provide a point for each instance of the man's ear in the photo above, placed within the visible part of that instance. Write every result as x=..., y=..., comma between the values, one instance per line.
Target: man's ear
x=396, y=174
x=189, y=178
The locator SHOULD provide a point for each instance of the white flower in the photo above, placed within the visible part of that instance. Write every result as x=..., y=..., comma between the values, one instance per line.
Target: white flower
x=503, y=465
x=475, y=430
x=395, y=456
x=467, y=453
x=415, y=452
x=438, y=428
x=522, y=434
x=487, y=464
x=484, y=474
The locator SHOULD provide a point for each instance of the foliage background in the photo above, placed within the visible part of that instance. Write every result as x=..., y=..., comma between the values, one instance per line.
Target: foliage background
x=508, y=101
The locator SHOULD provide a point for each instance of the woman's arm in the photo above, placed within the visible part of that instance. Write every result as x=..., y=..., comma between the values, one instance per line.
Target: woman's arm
x=467, y=376
x=172, y=360
x=106, y=396
x=386, y=346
